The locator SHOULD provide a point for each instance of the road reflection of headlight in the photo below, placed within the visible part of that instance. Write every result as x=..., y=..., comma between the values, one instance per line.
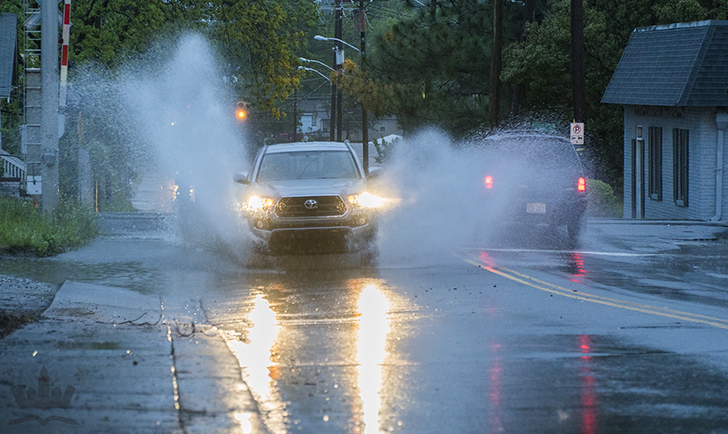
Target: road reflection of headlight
x=372, y=341
x=257, y=203
x=258, y=362
x=366, y=200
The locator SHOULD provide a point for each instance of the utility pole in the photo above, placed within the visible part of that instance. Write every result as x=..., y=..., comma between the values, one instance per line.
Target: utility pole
x=578, y=72
x=338, y=34
x=518, y=89
x=49, y=105
x=295, y=114
x=495, y=63
x=361, y=21
x=332, y=135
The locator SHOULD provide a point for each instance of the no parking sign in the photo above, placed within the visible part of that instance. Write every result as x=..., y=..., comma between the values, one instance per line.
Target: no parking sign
x=577, y=133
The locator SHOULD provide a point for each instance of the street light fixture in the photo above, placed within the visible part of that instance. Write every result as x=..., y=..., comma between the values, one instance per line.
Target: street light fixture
x=324, y=38
x=316, y=71
x=315, y=61
x=336, y=96
x=338, y=63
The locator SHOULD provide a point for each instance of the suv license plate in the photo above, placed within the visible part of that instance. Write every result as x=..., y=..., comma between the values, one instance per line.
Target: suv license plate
x=536, y=208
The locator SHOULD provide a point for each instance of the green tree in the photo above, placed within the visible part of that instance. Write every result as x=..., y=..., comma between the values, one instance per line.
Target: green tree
x=261, y=40
x=111, y=31
x=437, y=67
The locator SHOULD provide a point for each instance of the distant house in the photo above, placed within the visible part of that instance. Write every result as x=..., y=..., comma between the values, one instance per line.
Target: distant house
x=316, y=123
x=315, y=119
x=672, y=81
x=378, y=128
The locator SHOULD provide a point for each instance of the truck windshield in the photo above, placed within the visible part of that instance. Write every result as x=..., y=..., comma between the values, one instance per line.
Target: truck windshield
x=282, y=166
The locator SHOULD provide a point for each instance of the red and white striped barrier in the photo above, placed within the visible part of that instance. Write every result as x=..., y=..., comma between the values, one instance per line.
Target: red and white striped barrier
x=64, y=52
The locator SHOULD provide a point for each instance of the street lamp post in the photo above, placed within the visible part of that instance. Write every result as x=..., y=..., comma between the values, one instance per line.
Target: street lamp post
x=317, y=72
x=361, y=21
x=332, y=91
x=338, y=31
x=324, y=38
x=302, y=59
x=338, y=62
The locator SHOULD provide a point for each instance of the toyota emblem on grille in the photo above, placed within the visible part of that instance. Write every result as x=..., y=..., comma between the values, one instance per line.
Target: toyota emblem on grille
x=310, y=204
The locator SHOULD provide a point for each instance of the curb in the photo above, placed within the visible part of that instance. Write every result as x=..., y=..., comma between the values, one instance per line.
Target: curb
x=607, y=221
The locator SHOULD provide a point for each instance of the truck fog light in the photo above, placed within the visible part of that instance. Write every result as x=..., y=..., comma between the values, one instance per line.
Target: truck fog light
x=260, y=224
x=362, y=221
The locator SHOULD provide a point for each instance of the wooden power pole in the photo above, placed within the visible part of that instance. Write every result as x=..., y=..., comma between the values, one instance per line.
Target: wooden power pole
x=495, y=63
x=578, y=72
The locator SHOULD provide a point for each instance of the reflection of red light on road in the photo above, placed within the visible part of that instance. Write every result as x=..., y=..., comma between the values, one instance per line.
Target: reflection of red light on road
x=588, y=387
x=576, y=265
x=585, y=343
x=496, y=421
x=487, y=259
x=495, y=372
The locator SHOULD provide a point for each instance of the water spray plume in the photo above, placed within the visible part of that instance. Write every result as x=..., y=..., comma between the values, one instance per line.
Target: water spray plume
x=177, y=110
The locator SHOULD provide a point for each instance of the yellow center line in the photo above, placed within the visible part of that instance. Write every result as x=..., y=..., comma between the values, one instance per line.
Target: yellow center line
x=643, y=308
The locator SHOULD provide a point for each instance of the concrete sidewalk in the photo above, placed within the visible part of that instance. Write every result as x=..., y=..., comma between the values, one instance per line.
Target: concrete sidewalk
x=105, y=359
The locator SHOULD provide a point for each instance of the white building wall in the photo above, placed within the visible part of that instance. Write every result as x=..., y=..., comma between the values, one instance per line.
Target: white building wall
x=629, y=126
x=700, y=122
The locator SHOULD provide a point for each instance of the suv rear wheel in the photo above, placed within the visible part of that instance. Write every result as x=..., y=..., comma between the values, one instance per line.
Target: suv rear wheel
x=575, y=227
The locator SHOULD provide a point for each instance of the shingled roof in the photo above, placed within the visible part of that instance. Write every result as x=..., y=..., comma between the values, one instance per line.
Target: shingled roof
x=684, y=64
x=8, y=53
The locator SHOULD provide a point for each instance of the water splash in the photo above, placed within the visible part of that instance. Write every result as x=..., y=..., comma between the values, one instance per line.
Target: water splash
x=436, y=183
x=175, y=106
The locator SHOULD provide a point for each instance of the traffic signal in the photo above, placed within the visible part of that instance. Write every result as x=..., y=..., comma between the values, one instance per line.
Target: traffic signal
x=241, y=111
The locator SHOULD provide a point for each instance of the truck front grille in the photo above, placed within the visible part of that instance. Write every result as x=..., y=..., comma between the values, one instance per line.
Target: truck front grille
x=318, y=206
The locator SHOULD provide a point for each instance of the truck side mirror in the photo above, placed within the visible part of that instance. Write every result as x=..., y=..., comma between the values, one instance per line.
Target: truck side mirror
x=241, y=178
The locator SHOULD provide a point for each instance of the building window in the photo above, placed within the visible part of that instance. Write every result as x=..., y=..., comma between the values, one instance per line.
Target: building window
x=382, y=127
x=654, y=155
x=680, y=166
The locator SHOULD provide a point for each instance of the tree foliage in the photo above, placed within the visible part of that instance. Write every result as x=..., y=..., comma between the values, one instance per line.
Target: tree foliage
x=436, y=66
x=261, y=39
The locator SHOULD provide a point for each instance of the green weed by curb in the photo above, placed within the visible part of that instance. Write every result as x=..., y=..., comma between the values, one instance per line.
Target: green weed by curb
x=24, y=230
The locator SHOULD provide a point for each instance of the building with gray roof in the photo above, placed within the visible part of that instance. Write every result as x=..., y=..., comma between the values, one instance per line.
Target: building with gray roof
x=672, y=81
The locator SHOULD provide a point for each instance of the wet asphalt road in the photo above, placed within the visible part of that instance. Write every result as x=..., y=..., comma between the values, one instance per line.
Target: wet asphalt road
x=627, y=334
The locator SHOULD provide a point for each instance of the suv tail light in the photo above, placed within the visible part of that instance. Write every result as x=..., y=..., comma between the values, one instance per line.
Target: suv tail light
x=581, y=185
x=488, y=181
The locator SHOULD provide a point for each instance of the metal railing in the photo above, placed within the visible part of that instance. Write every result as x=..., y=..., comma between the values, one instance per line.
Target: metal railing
x=13, y=167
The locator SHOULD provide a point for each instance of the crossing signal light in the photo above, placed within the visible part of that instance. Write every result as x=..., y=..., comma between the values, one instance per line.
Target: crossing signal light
x=241, y=111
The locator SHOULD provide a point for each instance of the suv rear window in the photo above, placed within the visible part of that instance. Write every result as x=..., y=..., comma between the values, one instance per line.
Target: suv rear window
x=547, y=153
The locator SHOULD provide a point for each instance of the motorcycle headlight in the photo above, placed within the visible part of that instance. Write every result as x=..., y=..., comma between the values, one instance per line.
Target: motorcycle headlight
x=258, y=203
x=365, y=200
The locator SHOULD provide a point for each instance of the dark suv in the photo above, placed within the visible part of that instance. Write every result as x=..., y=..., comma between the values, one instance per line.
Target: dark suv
x=531, y=178
x=310, y=198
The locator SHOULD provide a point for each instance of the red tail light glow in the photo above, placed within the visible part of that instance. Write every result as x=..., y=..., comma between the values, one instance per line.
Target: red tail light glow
x=581, y=185
x=488, y=182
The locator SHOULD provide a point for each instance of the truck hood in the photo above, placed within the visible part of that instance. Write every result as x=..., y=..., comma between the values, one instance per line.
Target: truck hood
x=312, y=187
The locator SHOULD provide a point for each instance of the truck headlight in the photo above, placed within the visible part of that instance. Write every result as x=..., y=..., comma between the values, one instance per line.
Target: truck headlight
x=258, y=203
x=365, y=200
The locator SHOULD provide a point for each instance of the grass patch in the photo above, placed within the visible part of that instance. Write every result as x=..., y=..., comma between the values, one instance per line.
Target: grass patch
x=24, y=230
